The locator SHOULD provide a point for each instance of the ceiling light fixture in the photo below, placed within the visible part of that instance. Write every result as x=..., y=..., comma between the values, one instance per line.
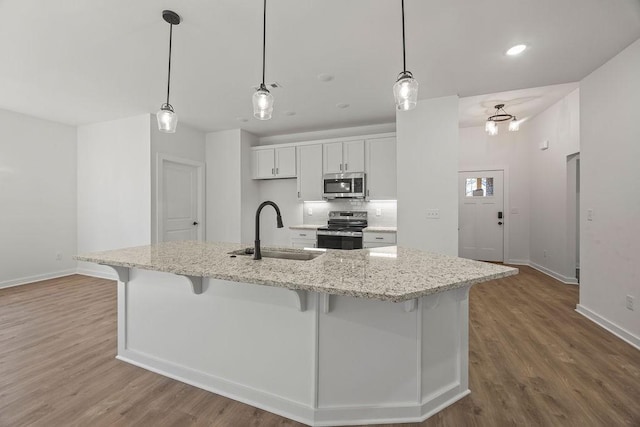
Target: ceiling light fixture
x=167, y=118
x=491, y=126
x=516, y=50
x=262, y=98
x=405, y=90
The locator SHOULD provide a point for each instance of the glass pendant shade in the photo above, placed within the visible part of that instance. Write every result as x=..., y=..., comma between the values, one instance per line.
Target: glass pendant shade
x=405, y=91
x=262, y=104
x=514, y=125
x=167, y=119
x=491, y=127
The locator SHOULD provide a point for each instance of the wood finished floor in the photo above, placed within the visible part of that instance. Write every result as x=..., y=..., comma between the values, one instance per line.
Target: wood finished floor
x=533, y=361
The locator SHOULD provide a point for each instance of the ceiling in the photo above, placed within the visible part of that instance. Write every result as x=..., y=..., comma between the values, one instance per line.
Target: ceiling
x=81, y=62
x=522, y=103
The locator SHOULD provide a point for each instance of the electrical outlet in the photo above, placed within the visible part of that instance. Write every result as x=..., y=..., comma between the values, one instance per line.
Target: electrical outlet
x=630, y=302
x=309, y=211
x=378, y=212
x=433, y=213
x=58, y=256
x=589, y=214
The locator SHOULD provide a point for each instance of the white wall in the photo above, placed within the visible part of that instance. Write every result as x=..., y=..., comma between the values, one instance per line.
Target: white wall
x=114, y=187
x=609, y=159
x=428, y=175
x=231, y=193
x=37, y=199
x=507, y=151
x=250, y=190
x=186, y=143
x=550, y=228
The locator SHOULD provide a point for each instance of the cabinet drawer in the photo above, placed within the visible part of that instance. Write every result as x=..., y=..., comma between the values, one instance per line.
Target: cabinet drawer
x=375, y=237
x=303, y=234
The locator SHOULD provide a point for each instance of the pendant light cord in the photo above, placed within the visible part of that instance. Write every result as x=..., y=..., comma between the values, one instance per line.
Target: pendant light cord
x=404, y=54
x=169, y=72
x=264, y=38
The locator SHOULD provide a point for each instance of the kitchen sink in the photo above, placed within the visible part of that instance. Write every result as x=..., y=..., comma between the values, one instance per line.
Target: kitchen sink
x=298, y=255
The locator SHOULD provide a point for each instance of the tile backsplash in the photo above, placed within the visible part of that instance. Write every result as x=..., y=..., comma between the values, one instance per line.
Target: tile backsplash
x=320, y=211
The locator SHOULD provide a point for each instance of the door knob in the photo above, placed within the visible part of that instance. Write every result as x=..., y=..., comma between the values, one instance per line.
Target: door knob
x=499, y=222
x=196, y=223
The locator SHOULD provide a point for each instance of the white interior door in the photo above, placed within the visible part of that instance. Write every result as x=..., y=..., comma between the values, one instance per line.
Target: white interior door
x=180, y=201
x=481, y=215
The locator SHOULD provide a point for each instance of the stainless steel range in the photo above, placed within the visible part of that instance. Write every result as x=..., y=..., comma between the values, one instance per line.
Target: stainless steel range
x=344, y=230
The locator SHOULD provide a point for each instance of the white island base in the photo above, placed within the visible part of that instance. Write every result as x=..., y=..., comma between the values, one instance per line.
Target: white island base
x=316, y=359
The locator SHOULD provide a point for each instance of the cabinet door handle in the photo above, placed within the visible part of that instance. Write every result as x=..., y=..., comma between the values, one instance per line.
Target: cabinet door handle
x=340, y=167
x=379, y=238
x=346, y=166
x=273, y=171
x=276, y=171
x=367, y=193
x=304, y=235
x=298, y=194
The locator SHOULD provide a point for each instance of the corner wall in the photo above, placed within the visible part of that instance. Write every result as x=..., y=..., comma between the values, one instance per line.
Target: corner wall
x=37, y=199
x=114, y=188
x=549, y=224
x=609, y=158
x=507, y=151
x=428, y=175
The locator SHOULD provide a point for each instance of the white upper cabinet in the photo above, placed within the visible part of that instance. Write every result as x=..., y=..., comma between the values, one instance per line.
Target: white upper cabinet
x=340, y=157
x=271, y=163
x=309, y=172
x=332, y=157
x=286, y=162
x=381, y=169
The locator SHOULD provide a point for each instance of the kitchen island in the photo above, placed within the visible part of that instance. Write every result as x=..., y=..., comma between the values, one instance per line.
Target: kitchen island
x=347, y=337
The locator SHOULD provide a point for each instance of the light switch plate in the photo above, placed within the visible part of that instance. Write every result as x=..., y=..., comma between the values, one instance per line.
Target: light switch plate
x=433, y=213
x=378, y=212
x=309, y=211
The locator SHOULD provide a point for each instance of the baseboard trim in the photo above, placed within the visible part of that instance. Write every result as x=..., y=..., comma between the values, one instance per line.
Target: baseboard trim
x=559, y=277
x=616, y=330
x=36, y=278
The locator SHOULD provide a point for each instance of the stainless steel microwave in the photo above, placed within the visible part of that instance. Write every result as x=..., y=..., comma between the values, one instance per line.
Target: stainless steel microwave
x=344, y=185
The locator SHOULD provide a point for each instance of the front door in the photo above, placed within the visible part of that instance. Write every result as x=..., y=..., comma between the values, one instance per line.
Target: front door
x=180, y=201
x=481, y=215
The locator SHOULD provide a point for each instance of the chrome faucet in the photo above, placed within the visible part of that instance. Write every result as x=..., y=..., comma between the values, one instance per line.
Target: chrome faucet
x=256, y=250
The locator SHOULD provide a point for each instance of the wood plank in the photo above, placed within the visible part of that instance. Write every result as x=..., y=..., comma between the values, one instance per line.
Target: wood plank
x=532, y=361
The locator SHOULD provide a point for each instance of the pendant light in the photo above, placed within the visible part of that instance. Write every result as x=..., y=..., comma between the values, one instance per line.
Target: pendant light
x=262, y=98
x=491, y=126
x=167, y=118
x=405, y=90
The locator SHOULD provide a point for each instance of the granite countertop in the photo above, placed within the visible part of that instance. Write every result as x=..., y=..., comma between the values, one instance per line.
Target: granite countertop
x=381, y=229
x=304, y=227
x=389, y=273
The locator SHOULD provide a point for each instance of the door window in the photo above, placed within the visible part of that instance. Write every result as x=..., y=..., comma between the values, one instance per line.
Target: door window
x=479, y=187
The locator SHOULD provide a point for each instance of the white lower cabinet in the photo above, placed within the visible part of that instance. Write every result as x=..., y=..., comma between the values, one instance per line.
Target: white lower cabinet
x=376, y=239
x=303, y=238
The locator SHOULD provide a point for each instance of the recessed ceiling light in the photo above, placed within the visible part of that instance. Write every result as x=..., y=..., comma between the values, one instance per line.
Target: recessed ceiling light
x=516, y=50
x=342, y=105
x=242, y=119
x=289, y=113
x=325, y=77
